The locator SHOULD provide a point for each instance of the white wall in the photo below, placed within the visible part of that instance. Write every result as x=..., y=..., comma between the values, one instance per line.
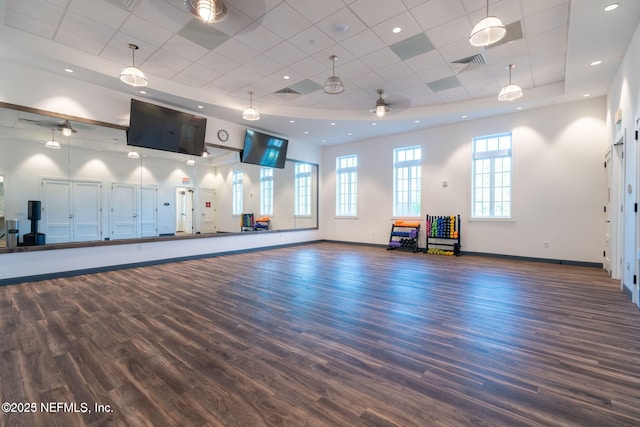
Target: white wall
x=624, y=94
x=558, y=183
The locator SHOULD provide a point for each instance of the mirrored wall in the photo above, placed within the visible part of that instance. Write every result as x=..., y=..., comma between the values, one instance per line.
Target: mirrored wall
x=72, y=180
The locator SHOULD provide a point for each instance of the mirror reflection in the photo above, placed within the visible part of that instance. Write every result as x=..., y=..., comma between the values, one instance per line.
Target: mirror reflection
x=73, y=181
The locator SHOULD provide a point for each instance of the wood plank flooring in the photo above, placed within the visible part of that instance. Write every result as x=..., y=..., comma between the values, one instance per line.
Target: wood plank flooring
x=323, y=334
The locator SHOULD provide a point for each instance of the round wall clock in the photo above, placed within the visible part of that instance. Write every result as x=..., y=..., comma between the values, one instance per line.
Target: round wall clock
x=223, y=135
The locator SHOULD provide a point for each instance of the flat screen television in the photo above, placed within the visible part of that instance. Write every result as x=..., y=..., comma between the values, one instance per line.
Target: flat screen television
x=160, y=128
x=264, y=150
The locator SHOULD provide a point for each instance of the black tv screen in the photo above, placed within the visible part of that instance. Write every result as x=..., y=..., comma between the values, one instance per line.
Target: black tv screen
x=264, y=150
x=160, y=128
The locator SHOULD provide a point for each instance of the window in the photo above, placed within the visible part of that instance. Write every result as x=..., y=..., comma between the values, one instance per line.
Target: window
x=236, y=188
x=407, y=181
x=266, y=191
x=302, y=189
x=491, y=195
x=347, y=185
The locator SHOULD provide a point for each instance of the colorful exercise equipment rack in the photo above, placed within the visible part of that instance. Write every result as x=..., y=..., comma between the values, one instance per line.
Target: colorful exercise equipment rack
x=246, y=222
x=404, y=235
x=443, y=235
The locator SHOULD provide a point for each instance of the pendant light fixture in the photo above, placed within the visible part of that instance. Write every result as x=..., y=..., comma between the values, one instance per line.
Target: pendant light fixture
x=66, y=128
x=488, y=31
x=333, y=85
x=133, y=154
x=511, y=91
x=251, y=113
x=53, y=144
x=208, y=11
x=131, y=75
x=191, y=162
x=381, y=108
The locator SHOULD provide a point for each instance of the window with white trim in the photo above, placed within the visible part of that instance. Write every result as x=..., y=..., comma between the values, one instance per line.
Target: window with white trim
x=347, y=185
x=407, y=178
x=237, y=192
x=491, y=192
x=266, y=191
x=302, y=189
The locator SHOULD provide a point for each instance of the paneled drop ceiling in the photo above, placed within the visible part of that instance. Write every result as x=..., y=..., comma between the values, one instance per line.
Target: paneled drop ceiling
x=280, y=50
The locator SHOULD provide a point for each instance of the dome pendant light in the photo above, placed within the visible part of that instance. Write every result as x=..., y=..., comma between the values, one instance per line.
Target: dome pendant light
x=488, y=31
x=131, y=75
x=208, y=11
x=251, y=113
x=333, y=85
x=381, y=108
x=511, y=91
x=52, y=143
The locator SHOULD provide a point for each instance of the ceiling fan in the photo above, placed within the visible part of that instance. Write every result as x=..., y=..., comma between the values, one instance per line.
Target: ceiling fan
x=65, y=126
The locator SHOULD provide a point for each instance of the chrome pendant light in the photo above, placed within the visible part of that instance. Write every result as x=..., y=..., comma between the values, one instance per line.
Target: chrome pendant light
x=511, y=91
x=381, y=108
x=333, y=85
x=250, y=113
x=488, y=31
x=208, y=11
x=131, y=75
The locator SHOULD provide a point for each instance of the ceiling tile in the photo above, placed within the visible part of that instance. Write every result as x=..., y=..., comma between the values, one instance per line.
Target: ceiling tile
x=258, y=37
x=100, y=10
x=285, y=53
x=236, y=51
x=285, y=21
x=30, y=25
x=141, y=29
x=405, y=21
x=163, y=14
x=412, y=46
x=363, y=43
x=83, y=27
x=315, y=11
x=373, y=12
x=185, y=48
x=437, y=12
x=38, y=9
x=311, y=40
x=341, y=25
x=207, y=36
x=548, y=19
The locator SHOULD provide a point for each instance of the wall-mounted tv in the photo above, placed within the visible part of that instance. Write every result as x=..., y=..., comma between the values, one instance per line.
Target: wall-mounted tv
x=160, y=128
x=264, y=150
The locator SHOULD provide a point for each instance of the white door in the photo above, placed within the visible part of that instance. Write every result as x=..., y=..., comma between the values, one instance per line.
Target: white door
x=184, y=210
x=608, y=169
x=124, y=211
x=56, y=211
x=87, y=211
x=207, y=211
x=148, y=211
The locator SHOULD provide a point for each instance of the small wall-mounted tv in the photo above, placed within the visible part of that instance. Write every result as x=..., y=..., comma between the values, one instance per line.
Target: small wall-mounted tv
x=160, y=128
x=264, y=150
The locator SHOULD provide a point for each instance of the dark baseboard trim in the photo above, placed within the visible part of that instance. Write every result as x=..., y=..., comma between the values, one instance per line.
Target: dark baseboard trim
x=72, y=273
x=627, y=291
x=543, y=260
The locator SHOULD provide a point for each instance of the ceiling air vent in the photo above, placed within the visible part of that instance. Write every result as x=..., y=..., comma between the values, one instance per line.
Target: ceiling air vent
x=127, y=5
x=464, y=63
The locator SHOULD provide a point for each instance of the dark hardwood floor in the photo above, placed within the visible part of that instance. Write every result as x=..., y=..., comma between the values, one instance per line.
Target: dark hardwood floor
x=323, y=334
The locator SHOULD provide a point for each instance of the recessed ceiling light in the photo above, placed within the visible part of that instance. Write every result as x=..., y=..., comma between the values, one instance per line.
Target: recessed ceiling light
x=396, y=30
x=519, y=108
x=374, y=124
x=68, y=70
x=598, y=62
x=333, y=123
x=349, y=134
x=200, y=107
x=286, y=77
x=144, y=92
x=292, y=121
x=464, y=117
x=306, y=132
x=586, y=95
x=417, y=121
x=612, y=6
